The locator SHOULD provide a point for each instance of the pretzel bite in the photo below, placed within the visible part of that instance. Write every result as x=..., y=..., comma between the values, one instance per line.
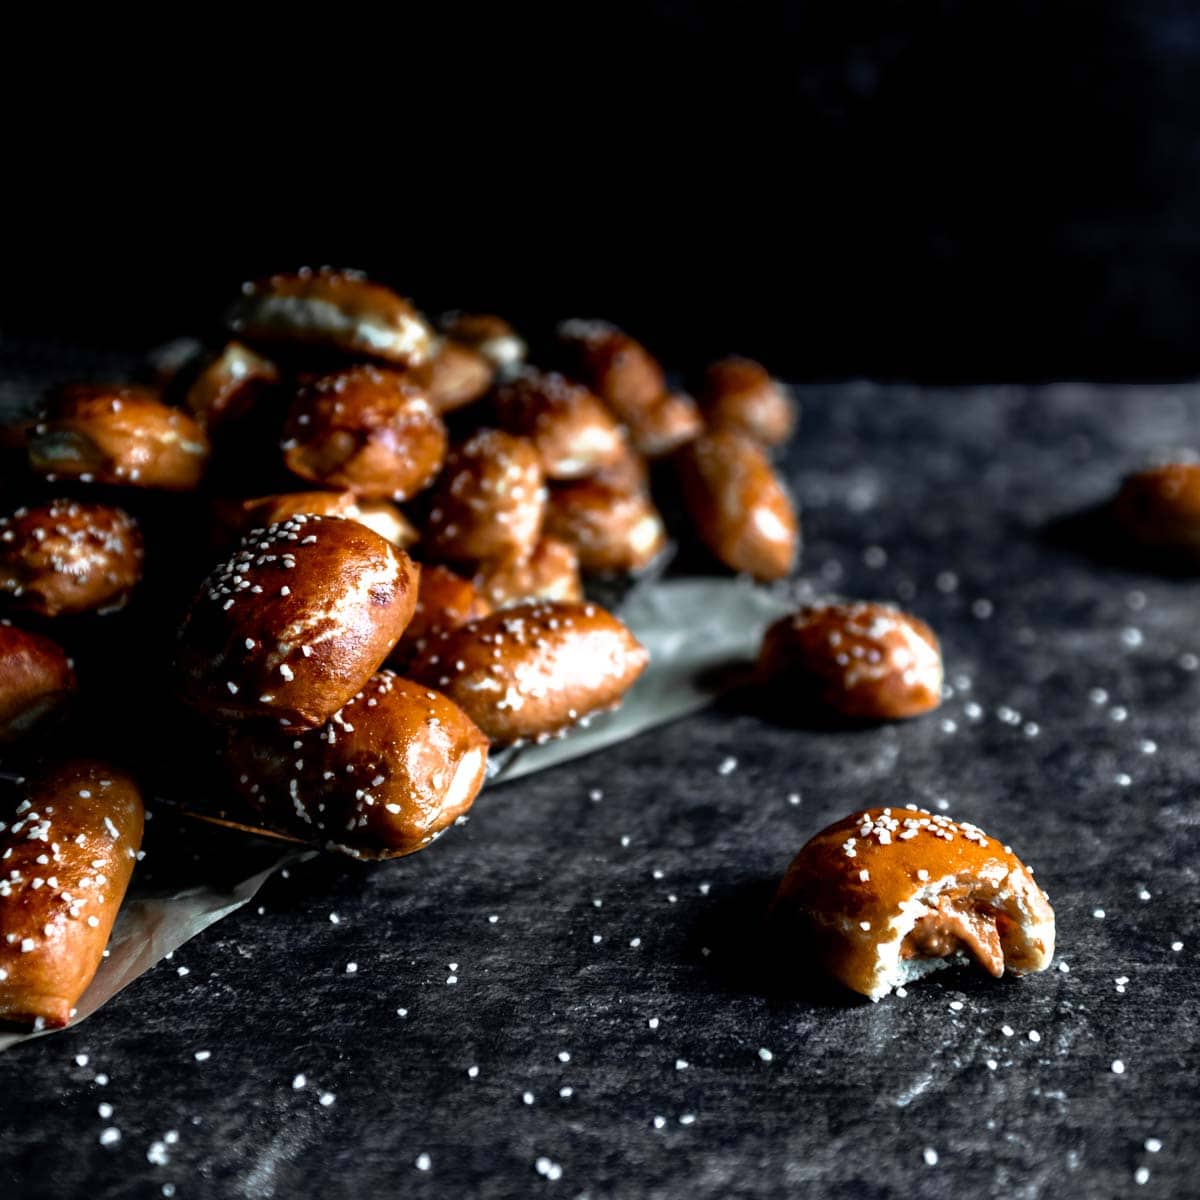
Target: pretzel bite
x=890, y=894
x=68, y=856
x=444, y=601
x=1160, y=507
x=572, y=431
x=551, y=572
x=611, y=529
x=455, y=376
x=533, y=670
x=98, y=433
x=738, y=504
x=36, y=678
x=492, y=336
x=366, y=429
x=392, y=768
x=384, y=518
x=739, y=394
x=295, y=622
x=488, y=501
x=630, y=381
x=228, y=385
x=69, y=557
x=337, y=310
x=862, y=660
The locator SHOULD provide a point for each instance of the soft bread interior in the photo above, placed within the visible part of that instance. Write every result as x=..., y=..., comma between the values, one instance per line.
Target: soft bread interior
x=1009, y=898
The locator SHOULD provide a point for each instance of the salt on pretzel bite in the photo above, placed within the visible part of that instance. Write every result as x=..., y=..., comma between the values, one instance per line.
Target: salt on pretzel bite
x=36, y=678
x=369, y=430
x=69, y=557
x=627, y=377
x=68, y=853
x=295, y=622
x=574, y=434
x=117, y=434
x=337, y=310
x=531, y=671
x=612, y=529
x=550, y=572
x=488, y=501
x=890, y=894
x=444, y=601
x=738, y=504
x=380, y=515
x=864, y=660
x=396, y=765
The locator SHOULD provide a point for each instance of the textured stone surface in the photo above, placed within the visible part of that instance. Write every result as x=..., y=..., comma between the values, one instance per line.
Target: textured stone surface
x=591, y=936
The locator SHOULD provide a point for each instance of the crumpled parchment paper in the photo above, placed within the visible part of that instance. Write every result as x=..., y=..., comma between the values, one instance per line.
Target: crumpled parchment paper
x=702, y=635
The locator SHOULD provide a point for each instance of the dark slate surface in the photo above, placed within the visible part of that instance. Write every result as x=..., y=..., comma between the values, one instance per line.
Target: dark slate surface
x=590, y=941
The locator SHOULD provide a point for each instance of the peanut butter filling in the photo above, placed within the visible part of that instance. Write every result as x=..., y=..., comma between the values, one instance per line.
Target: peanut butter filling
x=954, y=925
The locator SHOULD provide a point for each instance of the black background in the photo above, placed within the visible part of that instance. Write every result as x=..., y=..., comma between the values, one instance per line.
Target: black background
x=936, y=191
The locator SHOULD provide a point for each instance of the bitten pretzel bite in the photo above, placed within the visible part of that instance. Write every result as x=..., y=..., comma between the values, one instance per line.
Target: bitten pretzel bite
x=455, y=376
x=1160, y=507
x=551, y=572
x=739, y=394
x=36, y=678
x=572, y=431
x=68, y=855
x=369, y=430
x=492, y=336
x=890, y=894
x=69, y=557
x=611, y=529
x=118, y=435
x=339, y=310
x=295, y=622
x=630, y=381
x=392, y=768
x=738, y=504
x=533, y=670
x=488, y=501
x=228, y=385
x=862, y=660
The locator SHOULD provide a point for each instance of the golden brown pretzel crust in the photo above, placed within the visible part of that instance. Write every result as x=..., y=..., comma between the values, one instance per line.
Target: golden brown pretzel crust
x=863, y=660
x=629, y=379
x=368, y=430
x=444, y=601
x=457, y=375
x=612, y=529
x=532, y=670
x=340, y=310
x=740, y=508
x=71, y=849
x=739, y=394
x=853, y=882
x=295, y=622
x=36, y=678
x=551, y=572
x=119, y=435
x=69, y=557
x=1160, y=507
x=396, y=765
x=228, y=385
x=574, y=434
x=488, y=501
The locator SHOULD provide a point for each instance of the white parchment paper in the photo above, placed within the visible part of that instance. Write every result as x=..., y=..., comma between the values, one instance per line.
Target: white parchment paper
x=702, y=634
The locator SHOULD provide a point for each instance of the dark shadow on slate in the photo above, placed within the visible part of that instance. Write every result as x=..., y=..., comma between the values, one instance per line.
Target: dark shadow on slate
x=753, y=951
x=1091, y=533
